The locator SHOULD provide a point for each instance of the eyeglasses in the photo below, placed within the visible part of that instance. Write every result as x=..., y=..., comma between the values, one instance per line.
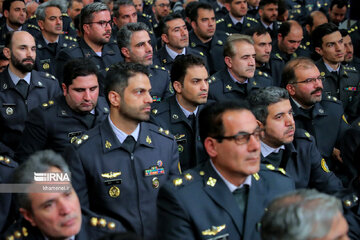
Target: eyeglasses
x=162, y=5
x=242, y=137
x=310, y=80
x=103, y=24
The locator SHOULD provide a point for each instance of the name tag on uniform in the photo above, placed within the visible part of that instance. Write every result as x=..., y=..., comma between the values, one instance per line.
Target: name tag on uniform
x=222, y=237
x=74, y=134
x=112, y=182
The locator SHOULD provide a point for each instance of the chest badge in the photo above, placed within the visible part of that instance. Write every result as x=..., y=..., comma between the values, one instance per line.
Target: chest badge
x=9, y=111
x=114, y=192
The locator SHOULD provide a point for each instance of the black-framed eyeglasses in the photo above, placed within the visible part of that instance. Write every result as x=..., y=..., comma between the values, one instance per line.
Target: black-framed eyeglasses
x=310, y=80
x=242, y=137
x=103, y=24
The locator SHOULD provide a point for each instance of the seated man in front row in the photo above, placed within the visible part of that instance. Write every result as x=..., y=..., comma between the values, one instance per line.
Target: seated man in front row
x=52, y=214
x=225, y=197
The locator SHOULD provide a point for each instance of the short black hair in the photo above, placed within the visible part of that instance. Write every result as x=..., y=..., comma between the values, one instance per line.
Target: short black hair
x=258, y=29
x=78, y=67
x=120, y=3
x=263, y=3
x=210, y=118
x=344, y=32
x=118, y=75
x=339, y=3
x=189, y=7
x=7, y=4
x=194, y=11
x=285, y=28
x=181, y=64
x=321, y=31
x=163, y=23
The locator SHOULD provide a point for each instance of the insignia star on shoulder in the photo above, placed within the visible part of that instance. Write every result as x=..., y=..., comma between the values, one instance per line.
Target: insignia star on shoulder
x=307, y=134
x=148, y=139
x=177, y=182
x=211, y=181
x=107, y=144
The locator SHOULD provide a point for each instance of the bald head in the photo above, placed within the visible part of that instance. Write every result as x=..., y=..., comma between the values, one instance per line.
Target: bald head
x=290, y=36
x=315, y=19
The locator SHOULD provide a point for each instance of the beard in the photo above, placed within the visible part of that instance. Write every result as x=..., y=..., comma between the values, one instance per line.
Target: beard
x=18, y=64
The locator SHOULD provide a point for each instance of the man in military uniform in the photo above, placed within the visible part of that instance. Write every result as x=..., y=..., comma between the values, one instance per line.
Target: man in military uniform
x=322, y=116
x=130, y=159
x=15, y=14
x=253, y=8
x=179, y=113
x=95, y=44
x=337, y=11
x=238, y=79
x=236, y=21
x=268, y=12
x=263, y=46
x=230, y=189
x=60, y=121
x=219, y=8
x=22, y=88
x=287, y=46
x=49, y=214
x=175, y=37
x=74, y=8
x=160, y=9
x=135, y=45
x=51, y=39
x=313, y=20
x=349, y=59
x=340, y=82
x=293, y=151
x=204, y=37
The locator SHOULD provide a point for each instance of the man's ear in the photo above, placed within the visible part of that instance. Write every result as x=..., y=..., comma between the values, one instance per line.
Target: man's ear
x=261, y=125
x=228, y=61
x=125, y=51
x=177, y=86
x=291, y=89
x=319, y=51
x=7, y=52
x=28, y=216
x=114, y=98
x=227, y=6
x=210, y=146
x=41, y=24
x=164, y=38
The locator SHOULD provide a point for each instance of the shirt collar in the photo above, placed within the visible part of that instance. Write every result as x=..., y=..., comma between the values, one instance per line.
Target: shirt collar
x=186, y=112
x=330, y=69
x=13, y=30
x=266, y=150
x=16, y=79
x=235, y=80
x=172, y=53
x=271, y=26
x=231, y=186
x=70, y=238
x=47, y=42
x=121, y=136
x=235, y=21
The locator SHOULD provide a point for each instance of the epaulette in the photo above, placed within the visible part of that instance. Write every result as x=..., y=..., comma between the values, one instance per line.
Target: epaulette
x=158, y=108
x=33, y=26
x=252, y=19
x=278, y=56
x=77, y=141
x=64, y=14
x=273, y=168
x=260, y=73
x=220, y=20
x=70, y=38
x=102, y=223
x=146, y=15
x=186, y=178
x=19, y=233
x=162, y=132
x=193, y=44
x=47, y=104
x=219, y=42
x=6, y=161
x=158, y=67
x=350, y=201
x=33, y=16
x=331, y=99
x=302, y=46
x=353, y=69
x=300, y=133
x=212, y=79
x=47, y=75
x=73, y=46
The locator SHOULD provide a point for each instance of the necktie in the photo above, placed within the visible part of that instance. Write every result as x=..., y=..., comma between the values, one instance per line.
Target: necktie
x=53, y=46
x=242, y=86
x=129, y=144
x=238, y=26
x=192, y=120
x=23, y=87
x=275, y=158
x=89, y=119
x=241, y=196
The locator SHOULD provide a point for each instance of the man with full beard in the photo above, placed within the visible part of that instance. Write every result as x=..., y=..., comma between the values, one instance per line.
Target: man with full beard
x=322, y=116
x=21, y=88
x=282, y=147
x=95, y=44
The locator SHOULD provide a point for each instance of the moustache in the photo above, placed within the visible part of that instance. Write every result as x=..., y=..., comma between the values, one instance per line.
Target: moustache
x=290, y=129
x=28, y=59
x=318, y=89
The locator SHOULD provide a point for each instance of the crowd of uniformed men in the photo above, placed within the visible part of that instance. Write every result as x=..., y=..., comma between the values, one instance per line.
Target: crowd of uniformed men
x=177, y=119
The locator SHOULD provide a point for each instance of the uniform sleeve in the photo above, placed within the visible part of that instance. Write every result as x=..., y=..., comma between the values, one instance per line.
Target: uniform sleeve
x=175, y=168
x=173, y=221
x=78, y=175
x=321, y=177
x=169, y=89
x=34, y=136
x=61, y=59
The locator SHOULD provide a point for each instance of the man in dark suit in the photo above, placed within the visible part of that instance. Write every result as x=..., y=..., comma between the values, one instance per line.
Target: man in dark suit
x=225, y=197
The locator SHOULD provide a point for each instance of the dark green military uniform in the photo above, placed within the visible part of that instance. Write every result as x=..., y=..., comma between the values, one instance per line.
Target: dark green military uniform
x=54, y=125
x=199, y=205
x=222, y=86
x=14, y=108
x=122, y=184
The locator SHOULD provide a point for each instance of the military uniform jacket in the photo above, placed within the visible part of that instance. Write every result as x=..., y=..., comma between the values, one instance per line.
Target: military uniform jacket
x=110, y=55
x=347, y=90
x=4, y=30
x=53, y=125
x=14, y=108
x=278, y=59
x=160, y=83
x=163, y=59
x=223, y=88
x=220, y=12
x=200, y=206
x=226, y=24
x=169, y=115
x=45, y=56
x=213, y=50
x=303, y=162
x=92, y=227
x=113, y=182
x=326, y=123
